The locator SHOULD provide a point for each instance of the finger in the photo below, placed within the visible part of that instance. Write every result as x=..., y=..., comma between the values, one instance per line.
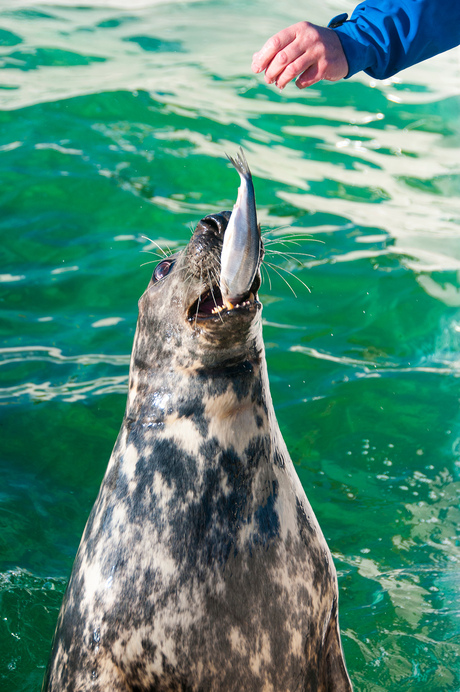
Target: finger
x=265, y=55
x=290, y=62
x=309, y=77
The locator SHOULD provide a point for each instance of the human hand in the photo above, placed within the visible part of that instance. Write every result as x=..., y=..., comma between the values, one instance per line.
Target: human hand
x=304, y=52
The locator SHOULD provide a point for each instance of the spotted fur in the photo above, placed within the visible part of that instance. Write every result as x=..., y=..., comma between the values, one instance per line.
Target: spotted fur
x=202, y=566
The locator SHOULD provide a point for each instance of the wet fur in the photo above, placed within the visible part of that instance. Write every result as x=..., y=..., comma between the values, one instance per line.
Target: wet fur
x=202, y=566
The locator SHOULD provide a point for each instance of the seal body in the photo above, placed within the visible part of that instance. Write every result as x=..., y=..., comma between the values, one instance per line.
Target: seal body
x=202, y=566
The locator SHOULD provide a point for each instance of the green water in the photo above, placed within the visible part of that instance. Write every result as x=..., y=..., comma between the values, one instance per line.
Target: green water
x=113, y=126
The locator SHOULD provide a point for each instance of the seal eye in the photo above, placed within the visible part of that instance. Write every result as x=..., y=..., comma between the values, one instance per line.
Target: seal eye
x=162, y=269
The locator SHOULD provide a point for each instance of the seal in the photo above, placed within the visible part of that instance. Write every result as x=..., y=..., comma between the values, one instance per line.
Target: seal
x=202, y=566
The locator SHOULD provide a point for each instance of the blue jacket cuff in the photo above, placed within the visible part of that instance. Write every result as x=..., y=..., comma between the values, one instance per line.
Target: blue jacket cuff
x=359, y=53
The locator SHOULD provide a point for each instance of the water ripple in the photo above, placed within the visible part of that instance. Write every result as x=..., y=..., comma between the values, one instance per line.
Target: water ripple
x=379, y=369
x=69, y=392
x=52, y=354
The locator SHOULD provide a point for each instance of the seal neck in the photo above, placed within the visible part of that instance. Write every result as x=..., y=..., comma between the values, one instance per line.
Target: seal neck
x=182, y=386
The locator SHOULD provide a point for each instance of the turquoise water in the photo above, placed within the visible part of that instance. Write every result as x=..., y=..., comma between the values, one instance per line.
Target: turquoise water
x=114, y=125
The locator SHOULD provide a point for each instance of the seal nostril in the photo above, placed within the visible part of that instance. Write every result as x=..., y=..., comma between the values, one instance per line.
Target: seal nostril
x=217, y=222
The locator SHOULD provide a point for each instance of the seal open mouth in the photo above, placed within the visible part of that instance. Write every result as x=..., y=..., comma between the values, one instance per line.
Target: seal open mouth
x=210, y=305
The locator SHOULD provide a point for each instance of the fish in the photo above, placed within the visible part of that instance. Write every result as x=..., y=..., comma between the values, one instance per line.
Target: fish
x=242, y=246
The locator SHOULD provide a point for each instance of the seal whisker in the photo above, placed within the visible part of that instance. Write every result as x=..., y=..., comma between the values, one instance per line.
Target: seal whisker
x=162, y=250
x=292, y=255
x=272, y=266
x=275, y=268
x=293, y=238
x=274, y=230
x=179, y=270
x=212, y=293
x=150, y=262
x=210, y=287
x=215, y=275
x=294, y=276
x=268, y=276
x=149, y=252
x=188, y=278
x=286, y=244
x=199, y=297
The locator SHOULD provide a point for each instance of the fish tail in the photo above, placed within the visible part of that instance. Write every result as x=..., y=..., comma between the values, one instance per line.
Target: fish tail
x=240, y=163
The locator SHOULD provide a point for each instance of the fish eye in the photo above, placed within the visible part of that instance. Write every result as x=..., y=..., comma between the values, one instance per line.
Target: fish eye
x=162, y=269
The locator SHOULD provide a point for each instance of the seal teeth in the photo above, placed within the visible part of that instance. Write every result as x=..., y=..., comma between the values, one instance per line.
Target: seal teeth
x=218, y=309
x=229, y=306
x=204, y=306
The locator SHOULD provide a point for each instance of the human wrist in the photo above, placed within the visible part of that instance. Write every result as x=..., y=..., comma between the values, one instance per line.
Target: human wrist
x=357, y=53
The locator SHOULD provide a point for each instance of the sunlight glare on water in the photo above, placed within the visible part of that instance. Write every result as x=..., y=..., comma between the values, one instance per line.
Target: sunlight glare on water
x=115, y=120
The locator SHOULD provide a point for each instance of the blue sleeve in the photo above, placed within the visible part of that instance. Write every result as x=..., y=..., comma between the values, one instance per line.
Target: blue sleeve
x=383, y=37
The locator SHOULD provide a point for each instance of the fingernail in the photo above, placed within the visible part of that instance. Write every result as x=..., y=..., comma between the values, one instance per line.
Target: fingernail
x=255, y=67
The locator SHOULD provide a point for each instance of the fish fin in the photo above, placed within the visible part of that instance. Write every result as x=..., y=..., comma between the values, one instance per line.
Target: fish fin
x=240, y=163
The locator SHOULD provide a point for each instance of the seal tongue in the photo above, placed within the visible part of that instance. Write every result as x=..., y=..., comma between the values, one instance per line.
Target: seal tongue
x=241, y=247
